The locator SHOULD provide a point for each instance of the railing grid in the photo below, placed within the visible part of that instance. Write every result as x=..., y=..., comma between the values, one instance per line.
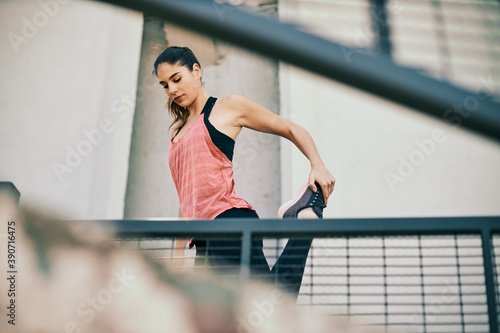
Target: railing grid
x=407, y=282
x=496, y=267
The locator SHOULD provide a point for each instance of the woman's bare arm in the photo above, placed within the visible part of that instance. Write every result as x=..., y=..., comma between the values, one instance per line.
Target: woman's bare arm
x=253, y=115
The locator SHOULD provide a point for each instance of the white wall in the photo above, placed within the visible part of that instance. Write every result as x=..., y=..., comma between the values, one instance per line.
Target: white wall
x=76, y=70
x=363, y=138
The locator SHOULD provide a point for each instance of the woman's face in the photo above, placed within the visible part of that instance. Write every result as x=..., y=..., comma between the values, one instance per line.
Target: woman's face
x=179, y=82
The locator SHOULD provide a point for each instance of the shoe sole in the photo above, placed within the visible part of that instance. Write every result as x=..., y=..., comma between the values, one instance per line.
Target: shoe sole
x=282, y=210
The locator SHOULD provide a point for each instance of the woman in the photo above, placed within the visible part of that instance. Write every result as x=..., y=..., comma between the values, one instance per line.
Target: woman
x=200, y=160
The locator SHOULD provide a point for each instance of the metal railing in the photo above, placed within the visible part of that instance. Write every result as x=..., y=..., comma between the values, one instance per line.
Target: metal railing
x=376, y=74
x=384, y=265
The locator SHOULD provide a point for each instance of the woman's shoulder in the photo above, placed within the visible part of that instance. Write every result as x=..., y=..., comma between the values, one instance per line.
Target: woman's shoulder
x=235, y=100
x=236, y=104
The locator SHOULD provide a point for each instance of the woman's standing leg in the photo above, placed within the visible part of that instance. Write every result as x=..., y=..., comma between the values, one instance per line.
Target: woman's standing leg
x=288, y=270
x=225, y=255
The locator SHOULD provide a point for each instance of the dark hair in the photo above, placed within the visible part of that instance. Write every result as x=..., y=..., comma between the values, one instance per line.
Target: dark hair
x=182, y=56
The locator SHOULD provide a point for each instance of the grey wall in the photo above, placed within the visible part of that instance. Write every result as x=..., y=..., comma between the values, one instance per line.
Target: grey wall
x=71, y=69
x=68, y=97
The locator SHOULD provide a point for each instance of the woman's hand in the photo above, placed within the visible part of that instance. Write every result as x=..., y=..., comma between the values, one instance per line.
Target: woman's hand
x=324, y=178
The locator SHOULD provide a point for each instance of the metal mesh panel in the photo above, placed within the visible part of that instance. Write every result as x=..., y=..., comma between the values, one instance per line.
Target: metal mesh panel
x=410, y=284
x=220, y=255
x=421, y=283
x=496, y=263
x=455, y=40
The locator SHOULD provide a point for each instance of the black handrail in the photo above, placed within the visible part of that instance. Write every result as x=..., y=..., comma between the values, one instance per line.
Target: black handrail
x=374, y=73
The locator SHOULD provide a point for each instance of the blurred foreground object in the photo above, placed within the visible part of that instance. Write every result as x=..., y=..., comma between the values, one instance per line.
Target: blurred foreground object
x=72, y=278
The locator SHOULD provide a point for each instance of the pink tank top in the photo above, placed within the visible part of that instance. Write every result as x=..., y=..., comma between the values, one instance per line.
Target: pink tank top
x=202, y=173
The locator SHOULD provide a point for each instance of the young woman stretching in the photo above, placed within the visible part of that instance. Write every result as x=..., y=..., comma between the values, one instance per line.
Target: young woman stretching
x=200, y=159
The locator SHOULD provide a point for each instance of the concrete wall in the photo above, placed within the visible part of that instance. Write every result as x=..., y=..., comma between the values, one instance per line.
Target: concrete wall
x=389, y=160
x=70, y=78
x=68, y=74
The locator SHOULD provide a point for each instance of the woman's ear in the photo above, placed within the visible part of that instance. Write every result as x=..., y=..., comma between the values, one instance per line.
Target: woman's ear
x=197, y=71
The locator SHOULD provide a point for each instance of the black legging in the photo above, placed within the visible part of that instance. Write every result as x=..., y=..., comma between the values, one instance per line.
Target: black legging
x=225, y=255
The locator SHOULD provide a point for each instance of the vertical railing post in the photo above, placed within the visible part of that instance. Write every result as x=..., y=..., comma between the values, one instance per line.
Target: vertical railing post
x=380, y=22
x=10, y=190
x=246, y=251
x=489, y=279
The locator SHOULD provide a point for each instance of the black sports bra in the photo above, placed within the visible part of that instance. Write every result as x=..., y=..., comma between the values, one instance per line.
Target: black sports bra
x=221, y=140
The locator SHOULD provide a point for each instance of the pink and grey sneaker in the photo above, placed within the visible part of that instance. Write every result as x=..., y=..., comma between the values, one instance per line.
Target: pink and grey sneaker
x=304, y=199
